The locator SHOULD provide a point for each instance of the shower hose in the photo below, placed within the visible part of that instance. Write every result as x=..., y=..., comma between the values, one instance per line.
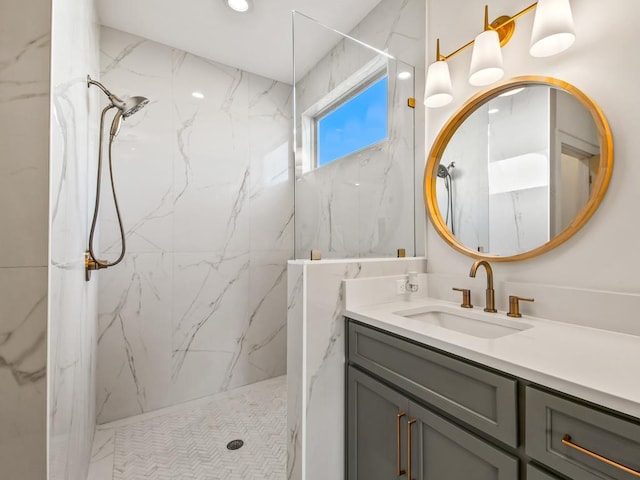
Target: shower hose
x=123, y=243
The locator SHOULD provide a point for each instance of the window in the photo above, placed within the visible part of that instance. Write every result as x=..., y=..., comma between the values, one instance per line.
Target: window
x=353, y=124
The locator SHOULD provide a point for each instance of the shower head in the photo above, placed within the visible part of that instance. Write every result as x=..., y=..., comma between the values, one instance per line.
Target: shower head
x=444, y=172
x=131, y=105
x=128, y=106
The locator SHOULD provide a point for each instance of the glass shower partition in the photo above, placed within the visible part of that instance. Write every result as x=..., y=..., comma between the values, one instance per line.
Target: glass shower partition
x=354, y=146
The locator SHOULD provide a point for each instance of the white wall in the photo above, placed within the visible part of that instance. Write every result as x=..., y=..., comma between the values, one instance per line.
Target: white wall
x=73, y=303
x=199, y=304
x=24, y=141
x=604, y=64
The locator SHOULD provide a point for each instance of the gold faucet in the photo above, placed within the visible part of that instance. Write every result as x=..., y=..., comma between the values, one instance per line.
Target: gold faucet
x=491, y=302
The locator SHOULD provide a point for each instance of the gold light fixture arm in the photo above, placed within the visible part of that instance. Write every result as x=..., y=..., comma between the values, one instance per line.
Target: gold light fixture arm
x=521, y=13
x=504, y=25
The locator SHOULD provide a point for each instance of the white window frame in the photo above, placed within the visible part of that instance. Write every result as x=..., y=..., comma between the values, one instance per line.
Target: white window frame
x=353, y=85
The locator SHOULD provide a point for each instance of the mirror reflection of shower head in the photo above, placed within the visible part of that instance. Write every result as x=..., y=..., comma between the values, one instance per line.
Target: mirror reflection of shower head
x=127, y=107
x=444, y=172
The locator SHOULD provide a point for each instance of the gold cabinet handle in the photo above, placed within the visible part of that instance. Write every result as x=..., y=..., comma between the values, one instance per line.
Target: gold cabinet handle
x=409, y=423
x=566, y=440
x=400, y=471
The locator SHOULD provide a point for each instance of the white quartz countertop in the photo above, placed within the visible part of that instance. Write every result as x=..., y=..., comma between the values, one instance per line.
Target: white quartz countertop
x=596, y=365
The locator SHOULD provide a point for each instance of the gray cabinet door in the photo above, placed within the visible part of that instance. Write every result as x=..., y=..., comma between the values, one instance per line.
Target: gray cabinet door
x=443, y=451
x=534, y=473
x=375, y=447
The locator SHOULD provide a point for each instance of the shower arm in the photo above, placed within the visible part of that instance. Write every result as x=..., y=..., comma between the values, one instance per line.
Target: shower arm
x=111, y=96
x=91, y=260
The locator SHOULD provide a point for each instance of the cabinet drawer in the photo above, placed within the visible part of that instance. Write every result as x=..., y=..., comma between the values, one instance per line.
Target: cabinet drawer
x=550, y=418
x=482, y=399
x=534, y=473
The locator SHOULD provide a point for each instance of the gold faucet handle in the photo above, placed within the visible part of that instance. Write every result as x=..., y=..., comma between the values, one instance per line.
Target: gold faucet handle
x=466, y=297
x=514, y=306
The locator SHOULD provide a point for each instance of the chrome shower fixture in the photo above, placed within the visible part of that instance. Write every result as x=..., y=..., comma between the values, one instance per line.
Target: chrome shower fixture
x=126, y=107
x=444, y=172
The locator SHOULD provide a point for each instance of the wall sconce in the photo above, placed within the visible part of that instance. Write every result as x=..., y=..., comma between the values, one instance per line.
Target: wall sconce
x=553, y=32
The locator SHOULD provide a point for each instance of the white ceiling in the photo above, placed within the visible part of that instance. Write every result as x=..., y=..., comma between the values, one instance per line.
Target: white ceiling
x=258, y=42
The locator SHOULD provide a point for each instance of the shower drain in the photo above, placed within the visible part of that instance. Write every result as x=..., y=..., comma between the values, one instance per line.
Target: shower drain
x=235, y=444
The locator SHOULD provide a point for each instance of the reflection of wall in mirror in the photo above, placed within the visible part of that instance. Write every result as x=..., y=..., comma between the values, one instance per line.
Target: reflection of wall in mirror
x=574, y=159
x=468, y=150
x=519, y=171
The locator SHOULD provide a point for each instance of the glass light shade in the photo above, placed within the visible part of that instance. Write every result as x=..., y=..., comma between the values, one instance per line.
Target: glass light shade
x=553, y=30
x=438, y=91
x=486, y=59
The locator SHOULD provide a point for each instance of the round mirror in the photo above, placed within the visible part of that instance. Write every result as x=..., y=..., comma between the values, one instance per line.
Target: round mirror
x=518, y=169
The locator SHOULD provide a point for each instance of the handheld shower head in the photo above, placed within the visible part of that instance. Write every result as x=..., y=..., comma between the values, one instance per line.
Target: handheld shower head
x=115, y=124
x=444, y=172
x=127, y=107
x=132, y=104
x=124, y=108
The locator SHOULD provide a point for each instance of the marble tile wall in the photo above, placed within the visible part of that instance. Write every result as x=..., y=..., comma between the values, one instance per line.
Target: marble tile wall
x=364, y=204
x=316, y=358
x=25, y=39
x=72, y=301
x=199, y=304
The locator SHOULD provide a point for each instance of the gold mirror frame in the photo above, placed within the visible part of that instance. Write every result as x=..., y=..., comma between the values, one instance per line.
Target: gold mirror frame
x=599, y=186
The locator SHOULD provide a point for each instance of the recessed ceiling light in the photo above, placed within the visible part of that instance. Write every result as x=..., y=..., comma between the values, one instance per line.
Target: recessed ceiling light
x=494, y=110
x=241, y=6
x=198, y=95
x=404, y=75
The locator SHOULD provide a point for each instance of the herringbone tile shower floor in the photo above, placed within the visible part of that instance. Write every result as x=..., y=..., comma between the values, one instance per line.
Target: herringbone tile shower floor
x=190, y=444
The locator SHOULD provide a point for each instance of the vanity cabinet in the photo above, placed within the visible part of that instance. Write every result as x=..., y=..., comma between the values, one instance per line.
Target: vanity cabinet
x=388, y=432
x=453, y=419
x=482, y=399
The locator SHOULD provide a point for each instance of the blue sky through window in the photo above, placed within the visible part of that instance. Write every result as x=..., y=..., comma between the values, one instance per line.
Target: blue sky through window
x=357, y=123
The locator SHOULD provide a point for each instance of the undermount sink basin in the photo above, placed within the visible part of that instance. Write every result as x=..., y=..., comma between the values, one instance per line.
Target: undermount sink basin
x=471, y=323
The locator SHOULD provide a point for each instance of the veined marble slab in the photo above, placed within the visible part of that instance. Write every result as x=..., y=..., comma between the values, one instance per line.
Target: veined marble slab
x=199, y=304
x=25, y=40
x=315, y=360
x=72, y=301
